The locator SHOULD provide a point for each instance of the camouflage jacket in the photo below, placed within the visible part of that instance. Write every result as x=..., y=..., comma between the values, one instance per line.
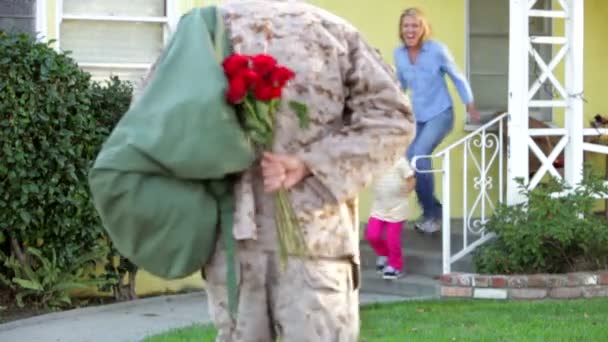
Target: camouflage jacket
x=361, y=122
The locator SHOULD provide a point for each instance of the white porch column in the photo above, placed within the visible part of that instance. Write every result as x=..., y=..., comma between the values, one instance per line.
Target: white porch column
x=575, y=24
x=41, y=21
x=517, y=153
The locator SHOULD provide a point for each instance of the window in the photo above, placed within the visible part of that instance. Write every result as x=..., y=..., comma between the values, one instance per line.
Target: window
x=115, y=37
x=23, y=16
x=488, y=57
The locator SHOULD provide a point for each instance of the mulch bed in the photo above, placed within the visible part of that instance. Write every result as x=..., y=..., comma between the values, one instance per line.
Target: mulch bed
x=9, y=311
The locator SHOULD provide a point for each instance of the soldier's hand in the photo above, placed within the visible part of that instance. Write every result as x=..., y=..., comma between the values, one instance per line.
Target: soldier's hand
x=280, y=170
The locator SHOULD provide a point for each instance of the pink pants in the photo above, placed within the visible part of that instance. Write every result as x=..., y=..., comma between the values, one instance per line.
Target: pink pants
x=389, y=247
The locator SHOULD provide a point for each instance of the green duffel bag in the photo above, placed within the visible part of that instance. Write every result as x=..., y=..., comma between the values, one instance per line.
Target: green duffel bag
x=162, y=180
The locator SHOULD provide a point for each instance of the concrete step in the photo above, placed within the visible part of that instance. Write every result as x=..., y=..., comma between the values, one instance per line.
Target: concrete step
x=422, y=253
x=414, y=240
x=407, y=287
x=418, y=262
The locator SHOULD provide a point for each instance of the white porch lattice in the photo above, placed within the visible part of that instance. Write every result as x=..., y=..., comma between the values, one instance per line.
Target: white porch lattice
x=566, y=93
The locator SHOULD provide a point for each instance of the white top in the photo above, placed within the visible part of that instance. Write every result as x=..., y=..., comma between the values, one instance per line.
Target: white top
x=391, y=201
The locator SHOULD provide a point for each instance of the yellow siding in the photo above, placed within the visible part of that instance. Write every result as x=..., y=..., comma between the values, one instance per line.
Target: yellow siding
x=596, y=73
x=596, y=27
x=51, y=19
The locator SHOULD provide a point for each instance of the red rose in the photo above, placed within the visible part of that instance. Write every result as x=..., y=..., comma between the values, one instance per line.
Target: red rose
x=275, y=92
x=237, y=89
x=266, y=92
x=235, y=64
x=263, y=64
x=250, y=77
x=280, y=75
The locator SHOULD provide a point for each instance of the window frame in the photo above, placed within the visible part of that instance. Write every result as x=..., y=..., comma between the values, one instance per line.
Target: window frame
x=469, y=126
x=40, y=20
x=169, y=22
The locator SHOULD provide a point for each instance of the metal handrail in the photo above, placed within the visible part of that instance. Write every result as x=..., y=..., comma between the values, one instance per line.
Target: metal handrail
x=483, y=183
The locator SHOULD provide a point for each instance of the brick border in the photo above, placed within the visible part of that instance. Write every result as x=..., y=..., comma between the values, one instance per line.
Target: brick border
x=535, y=286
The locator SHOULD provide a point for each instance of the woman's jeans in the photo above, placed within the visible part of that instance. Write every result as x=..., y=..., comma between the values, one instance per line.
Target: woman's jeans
x=429, y=134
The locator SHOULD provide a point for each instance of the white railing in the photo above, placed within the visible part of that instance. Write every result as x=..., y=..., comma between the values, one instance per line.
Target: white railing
x=483, y=150
x=593, y=147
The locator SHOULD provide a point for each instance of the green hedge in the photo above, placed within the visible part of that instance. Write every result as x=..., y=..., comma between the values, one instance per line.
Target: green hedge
x=548, y=234
x=53, y=122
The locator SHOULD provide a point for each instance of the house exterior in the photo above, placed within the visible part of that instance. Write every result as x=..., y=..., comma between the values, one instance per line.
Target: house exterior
x=123, y=38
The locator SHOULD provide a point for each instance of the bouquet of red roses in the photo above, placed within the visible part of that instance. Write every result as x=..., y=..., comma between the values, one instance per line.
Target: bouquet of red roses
x=255, y=85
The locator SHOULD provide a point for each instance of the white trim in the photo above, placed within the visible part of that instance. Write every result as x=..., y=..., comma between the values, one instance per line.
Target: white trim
x=574, y=74
x=446, y=219
x=548, y=40
x=603, y=149
x=467, y=42
x=595, y=131
x=542, y=132
x=548, y=104
x=159, y=20
x=518, y=100
x=143, y=66
x=58, y=20
x=547, y=14
x=41, y=20
x=172, y=13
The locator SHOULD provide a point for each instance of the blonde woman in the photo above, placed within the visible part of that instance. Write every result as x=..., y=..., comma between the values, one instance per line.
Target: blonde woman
x=422, y=64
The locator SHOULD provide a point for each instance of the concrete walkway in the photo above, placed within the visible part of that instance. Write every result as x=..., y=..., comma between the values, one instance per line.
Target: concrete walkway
x=123, y=322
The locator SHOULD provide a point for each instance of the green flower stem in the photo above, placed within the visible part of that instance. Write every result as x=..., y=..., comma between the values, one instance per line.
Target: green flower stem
x=259, y=122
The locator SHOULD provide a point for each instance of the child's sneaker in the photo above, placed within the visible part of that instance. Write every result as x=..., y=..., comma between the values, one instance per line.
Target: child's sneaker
x=381, y=264
x=390, y=273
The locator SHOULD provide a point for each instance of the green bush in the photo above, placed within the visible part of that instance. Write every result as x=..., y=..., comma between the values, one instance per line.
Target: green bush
x=547, y=234
x=47, y=283
x=109, y=101
x=53, y=120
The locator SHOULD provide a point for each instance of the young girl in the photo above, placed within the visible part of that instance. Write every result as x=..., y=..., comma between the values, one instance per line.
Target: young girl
x=389, y=211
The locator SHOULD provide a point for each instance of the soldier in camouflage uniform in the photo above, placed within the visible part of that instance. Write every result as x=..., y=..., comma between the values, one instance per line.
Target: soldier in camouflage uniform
x=360, y=124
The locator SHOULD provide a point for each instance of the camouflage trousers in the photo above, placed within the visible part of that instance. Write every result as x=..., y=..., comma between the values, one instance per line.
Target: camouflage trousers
x=309, y=300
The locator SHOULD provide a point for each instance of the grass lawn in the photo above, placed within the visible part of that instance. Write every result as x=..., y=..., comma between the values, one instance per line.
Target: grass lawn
x=465, y=320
